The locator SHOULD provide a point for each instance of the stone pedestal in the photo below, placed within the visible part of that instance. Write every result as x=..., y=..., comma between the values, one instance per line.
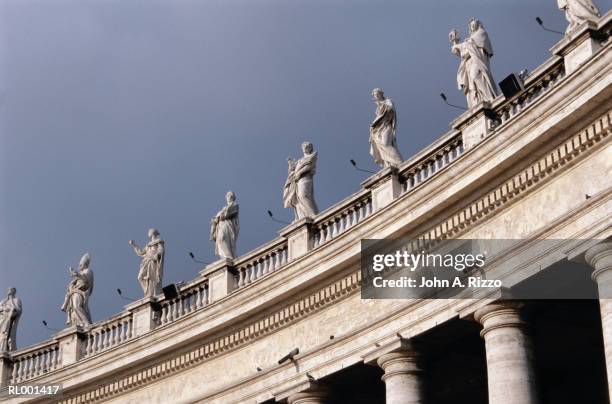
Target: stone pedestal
x=403, y=384
x=143, y=315
x=600, y=258
x=474, y=124
x=313, y=395
x=385, y=187
x=6, y=366
x=299, y=238
x=509, y=354
x=578, y=47
x=71, y=345
x=221, y=279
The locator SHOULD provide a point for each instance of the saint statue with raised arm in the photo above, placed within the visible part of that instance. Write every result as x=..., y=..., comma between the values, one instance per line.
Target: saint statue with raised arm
x=76, y=302
x=10, y=311
x=152, y=264
x=577, y=12
x=224, y=228
x=299, y=187
x=383, y=142
x=474, y=76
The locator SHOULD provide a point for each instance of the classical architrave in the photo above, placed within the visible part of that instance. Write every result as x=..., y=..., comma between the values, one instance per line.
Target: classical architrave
x=572, y=149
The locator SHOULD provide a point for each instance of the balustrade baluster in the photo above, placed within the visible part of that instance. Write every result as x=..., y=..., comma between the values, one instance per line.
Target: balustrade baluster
x=99, y=341
x=14, y=372
x=200, y=296
x=284, y=257
x=28, y=367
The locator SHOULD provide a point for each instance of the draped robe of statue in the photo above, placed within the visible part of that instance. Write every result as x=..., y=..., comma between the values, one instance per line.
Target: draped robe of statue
x=299, y=187
x=224, y=230
x=76, y=302
x=578, y=12
x=383, y=142
x=474, y=76
x=10, y=311
x=151, y=266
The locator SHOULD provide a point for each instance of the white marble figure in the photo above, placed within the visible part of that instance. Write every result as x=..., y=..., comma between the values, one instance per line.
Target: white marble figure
x=578, y=12
x=10, y=311
x=383, y=141
x=299, y=187
x=474, y=76
x=152, y=264
x=224, y=228
x=76, y=301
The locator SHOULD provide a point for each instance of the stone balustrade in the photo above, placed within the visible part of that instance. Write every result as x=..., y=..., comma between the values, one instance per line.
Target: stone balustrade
x=107, y=334
x=334, y=222
x=254, y=266
x=190, y=299
x=35, y=361
x=419, y=171
x=536, y=85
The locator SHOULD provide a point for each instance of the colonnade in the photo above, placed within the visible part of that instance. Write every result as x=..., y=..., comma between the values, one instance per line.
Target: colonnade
x=509, y=352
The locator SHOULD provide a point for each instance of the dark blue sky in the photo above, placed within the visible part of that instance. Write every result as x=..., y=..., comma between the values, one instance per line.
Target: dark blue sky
x=116, y=116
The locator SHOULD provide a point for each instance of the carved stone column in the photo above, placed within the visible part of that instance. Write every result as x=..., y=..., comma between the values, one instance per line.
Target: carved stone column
x=600, y=258
x=313, y=395
x=509, y=354
x=403, y=384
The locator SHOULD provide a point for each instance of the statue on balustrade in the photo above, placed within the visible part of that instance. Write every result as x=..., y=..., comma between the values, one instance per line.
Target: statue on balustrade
x=10, y=311
x=76, y=302
x=578, y=12
x=152, y=264
x=383, y=142
x=474, y=77
x=224, y=228
x=299, y=187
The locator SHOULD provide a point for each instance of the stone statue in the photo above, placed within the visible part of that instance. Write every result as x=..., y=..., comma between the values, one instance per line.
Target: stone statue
x=10, y=311
x=152, y=264
x=76, y=302
x=299, y=188
x=383, y=143
x=474, y=76
x=224, y=228
x=578, y=12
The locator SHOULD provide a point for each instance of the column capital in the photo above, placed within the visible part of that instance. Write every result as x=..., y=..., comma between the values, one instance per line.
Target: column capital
x=600, y=258
x=402, y=362
x=403, y=376
x=315, y=394
x=498, y=315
